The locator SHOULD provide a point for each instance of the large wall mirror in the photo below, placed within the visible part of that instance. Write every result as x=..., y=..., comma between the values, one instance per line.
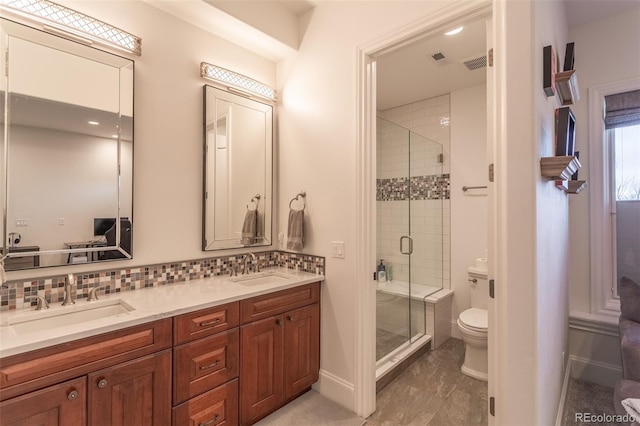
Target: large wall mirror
x=238, y=153
x=67, y=158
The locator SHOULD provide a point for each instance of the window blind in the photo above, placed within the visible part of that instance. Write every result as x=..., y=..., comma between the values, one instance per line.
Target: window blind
x=622, y=109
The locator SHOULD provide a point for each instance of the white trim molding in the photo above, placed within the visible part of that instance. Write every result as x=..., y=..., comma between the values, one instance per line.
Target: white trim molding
x=336, y=389
x=365, y=306
x=595, y=371
x=593, y=323
x=603, y=303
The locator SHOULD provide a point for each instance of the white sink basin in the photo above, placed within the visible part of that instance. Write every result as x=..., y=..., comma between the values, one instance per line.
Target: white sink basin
x=267, y=277
x=64, y=316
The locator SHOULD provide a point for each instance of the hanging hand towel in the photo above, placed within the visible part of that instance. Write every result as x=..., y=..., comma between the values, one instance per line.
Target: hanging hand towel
x=632, y=407
x=249, y=228
x=295, y=237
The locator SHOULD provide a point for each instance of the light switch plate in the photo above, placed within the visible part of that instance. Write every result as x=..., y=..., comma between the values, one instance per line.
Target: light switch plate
x=337, y=249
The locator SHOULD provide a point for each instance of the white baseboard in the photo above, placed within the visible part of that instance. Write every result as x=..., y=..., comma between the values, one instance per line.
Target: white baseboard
x=336, y=389
x=563, y=394
x=594, y=371
x=455, y=331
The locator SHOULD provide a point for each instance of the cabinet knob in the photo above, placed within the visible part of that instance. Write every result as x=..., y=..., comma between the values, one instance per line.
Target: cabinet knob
x=72, y=395
x=289, y=317
x=278, y=321
x=102, y=383
x=210, y=422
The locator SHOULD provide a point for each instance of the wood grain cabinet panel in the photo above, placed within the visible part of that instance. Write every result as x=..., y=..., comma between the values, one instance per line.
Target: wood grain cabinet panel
x=33, y=370
x=205, y=322
x=301, y=349
x=261, y=368
x=268, y=305
x=204, y=364
x=217, y=407
x=135, y=393
x=63, y=404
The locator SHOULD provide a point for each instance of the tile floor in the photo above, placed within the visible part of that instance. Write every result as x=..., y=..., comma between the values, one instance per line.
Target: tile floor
x=433, y=391
x=387, y=341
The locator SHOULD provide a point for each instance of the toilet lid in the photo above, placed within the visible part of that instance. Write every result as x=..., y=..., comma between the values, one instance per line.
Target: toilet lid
x=475, y=318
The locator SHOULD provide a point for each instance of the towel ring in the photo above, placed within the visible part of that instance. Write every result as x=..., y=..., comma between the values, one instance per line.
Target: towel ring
x=254, y=200
x=302, y=194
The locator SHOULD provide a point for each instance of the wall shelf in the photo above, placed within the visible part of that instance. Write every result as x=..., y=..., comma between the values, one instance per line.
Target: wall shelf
x=559, y=167
x=576, y=186
x=567, y=87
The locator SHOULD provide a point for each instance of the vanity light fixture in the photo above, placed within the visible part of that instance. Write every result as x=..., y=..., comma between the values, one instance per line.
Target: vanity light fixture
x=454, y=31
x=94, y=123
x=237, y=82
x=69, y=23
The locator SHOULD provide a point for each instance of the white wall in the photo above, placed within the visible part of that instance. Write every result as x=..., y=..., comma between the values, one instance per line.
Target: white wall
x=168, y=128
x=468, y=210
x=317, y=153
x=532, y=220
x=616, y=40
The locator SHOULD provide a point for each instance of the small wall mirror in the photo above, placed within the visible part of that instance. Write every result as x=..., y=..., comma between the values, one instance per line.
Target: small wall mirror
x=67, y=159
x=238, y=153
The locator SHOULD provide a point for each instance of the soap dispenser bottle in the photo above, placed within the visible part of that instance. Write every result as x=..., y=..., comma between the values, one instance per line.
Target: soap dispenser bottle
x=382, y=273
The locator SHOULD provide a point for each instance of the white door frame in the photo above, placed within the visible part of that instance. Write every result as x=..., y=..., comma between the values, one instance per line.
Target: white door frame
x=365, y=303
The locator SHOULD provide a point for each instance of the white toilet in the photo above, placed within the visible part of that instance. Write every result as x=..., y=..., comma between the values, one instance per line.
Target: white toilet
x=473, y=323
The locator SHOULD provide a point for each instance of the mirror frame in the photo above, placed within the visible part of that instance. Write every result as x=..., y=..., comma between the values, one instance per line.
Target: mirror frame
x=226, y=94
x=10, y=28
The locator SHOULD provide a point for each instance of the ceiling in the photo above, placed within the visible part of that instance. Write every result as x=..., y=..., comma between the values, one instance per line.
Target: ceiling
x=408, y=74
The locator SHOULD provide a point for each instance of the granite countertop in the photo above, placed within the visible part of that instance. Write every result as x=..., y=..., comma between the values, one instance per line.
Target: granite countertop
x=147, y=305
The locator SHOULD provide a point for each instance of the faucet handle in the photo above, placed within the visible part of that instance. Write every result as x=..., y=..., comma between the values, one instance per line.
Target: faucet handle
x=71, y=280
x=42, y=302
x=259, y=265
x=232, y=270
x=93, y=293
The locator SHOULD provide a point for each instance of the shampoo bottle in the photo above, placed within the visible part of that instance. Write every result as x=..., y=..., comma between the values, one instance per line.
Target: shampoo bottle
x=382, y=273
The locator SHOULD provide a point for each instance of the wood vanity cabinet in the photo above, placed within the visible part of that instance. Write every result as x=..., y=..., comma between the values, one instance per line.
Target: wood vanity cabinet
x=117, y=378
x=205, y=366
x=280, y=349
x=58, y=405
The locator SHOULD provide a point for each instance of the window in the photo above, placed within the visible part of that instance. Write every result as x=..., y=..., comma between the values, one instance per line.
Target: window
x=614, y=183
x=625, y=189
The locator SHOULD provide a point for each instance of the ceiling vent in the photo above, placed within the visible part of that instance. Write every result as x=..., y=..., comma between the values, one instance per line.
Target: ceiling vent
x=437, y=56
x=475, y=63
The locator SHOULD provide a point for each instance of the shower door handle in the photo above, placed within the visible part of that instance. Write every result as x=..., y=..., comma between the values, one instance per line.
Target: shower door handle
x=410, y=244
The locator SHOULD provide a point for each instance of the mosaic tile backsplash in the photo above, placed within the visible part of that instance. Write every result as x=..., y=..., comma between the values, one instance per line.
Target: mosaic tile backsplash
x=14, y=293
x=433, y=187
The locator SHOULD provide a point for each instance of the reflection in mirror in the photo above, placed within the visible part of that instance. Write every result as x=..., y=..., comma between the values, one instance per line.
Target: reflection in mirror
x=67, y=161
x=238, y=144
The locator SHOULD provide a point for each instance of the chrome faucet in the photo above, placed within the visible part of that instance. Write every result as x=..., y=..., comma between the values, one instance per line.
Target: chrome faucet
x=42, y=302
x=68, y=297
x=244, y=261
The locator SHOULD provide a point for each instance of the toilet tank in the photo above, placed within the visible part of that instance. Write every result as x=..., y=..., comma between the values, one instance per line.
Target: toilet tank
x=478, y=287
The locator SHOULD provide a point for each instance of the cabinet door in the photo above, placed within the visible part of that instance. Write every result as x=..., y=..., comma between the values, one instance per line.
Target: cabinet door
x=261, y=370
x=63, y=404
x=135, y=393
x=301, y=349
x=217, y=407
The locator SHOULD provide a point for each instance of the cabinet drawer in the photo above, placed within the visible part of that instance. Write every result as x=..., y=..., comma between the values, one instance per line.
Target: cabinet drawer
x=270, y=304
x=216, y=407
x=204, y=364
x=205, y=322
x=33, y=370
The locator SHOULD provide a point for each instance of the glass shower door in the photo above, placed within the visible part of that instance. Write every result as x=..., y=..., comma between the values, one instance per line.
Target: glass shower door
x=409, y=193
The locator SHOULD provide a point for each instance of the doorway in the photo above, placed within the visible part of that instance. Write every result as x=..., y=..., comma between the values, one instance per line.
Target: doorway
x=369, y=76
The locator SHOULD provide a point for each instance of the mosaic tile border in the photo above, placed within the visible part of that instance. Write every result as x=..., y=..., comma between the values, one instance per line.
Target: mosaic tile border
x=13, y=295
x=429, y=187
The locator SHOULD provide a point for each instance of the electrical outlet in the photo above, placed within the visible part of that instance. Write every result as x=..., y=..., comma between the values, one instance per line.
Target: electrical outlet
x=22, y=222
x=61, y=221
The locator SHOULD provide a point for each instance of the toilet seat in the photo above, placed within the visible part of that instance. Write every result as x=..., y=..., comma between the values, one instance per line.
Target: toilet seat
x=475, y=319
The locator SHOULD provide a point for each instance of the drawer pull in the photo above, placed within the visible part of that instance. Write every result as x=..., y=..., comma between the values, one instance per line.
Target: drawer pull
x=277, y=322
x=213, y=364
x=210, y=422
x=206, y=323
x=72, y=395
x=102, y=383
x=289, y=317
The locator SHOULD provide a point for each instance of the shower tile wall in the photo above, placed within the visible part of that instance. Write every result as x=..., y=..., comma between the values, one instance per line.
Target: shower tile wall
x=430, y=226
